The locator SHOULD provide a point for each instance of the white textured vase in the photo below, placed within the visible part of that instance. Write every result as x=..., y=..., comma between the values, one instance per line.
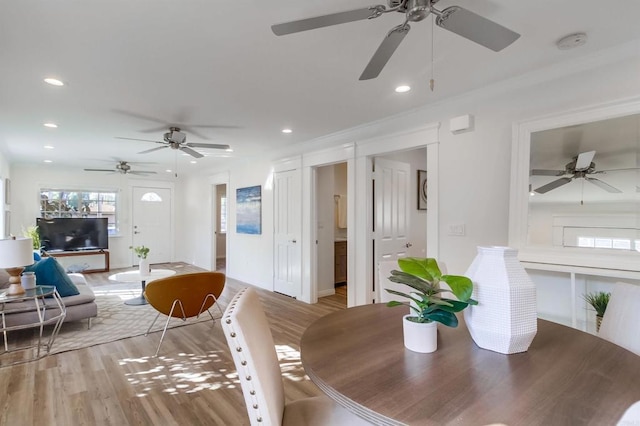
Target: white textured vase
x=505, y=319
x=420, y=337
x=145, y=267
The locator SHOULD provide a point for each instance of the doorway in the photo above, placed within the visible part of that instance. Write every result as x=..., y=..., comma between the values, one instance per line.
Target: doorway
x=220, y=228
x=151, y=220
x=331, y=231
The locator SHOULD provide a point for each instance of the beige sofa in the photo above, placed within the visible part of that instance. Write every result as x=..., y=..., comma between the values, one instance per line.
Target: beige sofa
x=79, y=307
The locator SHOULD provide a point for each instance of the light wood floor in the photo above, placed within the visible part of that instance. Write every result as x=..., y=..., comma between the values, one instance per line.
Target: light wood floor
x=192, y=382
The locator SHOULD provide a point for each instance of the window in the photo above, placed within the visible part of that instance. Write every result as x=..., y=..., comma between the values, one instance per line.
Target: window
x=223, y=215
x=80, y=203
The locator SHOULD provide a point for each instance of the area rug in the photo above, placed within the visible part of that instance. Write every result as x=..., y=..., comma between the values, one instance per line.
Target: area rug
x=117, y=321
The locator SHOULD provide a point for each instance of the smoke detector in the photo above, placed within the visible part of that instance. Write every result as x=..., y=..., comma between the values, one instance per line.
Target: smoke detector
x=571, y=41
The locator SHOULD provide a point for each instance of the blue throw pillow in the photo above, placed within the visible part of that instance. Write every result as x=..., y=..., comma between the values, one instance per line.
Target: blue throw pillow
x=36, y=256
x=50, y=272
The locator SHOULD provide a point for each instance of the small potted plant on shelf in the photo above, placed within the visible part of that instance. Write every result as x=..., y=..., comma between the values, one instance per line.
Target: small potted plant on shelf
x=143, y=264
x=32, y=232
x=598, y=301
x=426, y=302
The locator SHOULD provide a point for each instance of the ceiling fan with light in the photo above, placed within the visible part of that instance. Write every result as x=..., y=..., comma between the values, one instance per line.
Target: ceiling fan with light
x=581, y=167
x=176, y=139
x=124, y=167
x=454, y=18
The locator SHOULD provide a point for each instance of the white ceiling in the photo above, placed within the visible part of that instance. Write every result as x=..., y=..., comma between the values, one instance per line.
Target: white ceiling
x=212, y=62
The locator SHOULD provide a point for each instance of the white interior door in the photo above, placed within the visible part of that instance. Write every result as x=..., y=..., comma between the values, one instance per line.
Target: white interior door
x=391, y=212
x=152, y=222
x=288, y=230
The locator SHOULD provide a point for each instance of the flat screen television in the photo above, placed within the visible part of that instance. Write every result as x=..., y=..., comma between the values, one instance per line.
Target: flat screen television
x=72, y=234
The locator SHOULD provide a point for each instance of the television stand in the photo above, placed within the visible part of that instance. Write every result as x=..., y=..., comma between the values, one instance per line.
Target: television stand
x=93, y=260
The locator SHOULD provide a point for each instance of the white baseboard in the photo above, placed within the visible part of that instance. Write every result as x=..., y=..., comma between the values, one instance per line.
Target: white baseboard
x=327, y=292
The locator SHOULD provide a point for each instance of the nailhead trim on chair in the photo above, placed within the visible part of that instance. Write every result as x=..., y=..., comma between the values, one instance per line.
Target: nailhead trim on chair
x=243, y=362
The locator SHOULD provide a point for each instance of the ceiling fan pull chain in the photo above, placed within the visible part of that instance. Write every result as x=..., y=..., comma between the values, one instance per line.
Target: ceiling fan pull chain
x=432, y=81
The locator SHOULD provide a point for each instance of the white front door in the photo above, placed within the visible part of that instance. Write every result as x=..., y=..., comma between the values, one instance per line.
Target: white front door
x=287, y=229
x=391, y=213
x=152, y=222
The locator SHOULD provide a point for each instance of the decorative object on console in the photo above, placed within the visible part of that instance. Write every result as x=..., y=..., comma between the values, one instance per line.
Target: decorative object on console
x=598, y=301
x=423, y=276
x=143, y=265
x=15, y=254
x=505, y=319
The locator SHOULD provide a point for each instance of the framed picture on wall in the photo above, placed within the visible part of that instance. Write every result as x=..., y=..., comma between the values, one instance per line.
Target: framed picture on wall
x=422, y=189
x=249, y=210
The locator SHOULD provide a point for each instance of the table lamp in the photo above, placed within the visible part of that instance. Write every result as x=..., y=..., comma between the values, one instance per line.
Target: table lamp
x=15, y=254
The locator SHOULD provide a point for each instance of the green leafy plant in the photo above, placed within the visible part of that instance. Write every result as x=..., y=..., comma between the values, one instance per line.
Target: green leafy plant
x=140, y=251
x=423, y=275
x=32, y=232
x=598, y=300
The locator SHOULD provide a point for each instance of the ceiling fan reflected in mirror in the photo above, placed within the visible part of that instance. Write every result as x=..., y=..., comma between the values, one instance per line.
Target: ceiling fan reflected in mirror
x=124, y=167
x=454, y=18
x=581, y=167
x=176, y=139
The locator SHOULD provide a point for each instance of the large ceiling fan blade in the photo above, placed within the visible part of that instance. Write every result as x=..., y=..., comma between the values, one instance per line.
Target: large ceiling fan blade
x=583, y=162
x=191, y=152
x=140, y=116
x=604, y=185
x=544, y=172
x=628, y=169
x=155, y=129
x=389, y=45
x=208, y=126
x=99, y=170
x=153, y=149
x=553, y=185
x=135, y=139
x=140, y=173
x=327, y=20
x=476, y=28
x=207, y=145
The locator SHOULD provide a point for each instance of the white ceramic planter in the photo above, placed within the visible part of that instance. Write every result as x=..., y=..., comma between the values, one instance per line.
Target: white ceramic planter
x=420, y=337
x=505, y=319
x=145, y=267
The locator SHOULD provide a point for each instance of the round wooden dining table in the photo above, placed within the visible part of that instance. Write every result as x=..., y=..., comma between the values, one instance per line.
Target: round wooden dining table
x=567, y=377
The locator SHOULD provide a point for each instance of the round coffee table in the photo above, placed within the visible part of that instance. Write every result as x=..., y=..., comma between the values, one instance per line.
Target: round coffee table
x=133, y=276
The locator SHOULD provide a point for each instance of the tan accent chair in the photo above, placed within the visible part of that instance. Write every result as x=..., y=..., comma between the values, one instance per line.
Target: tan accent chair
x=184, y=296
x=249, y=337
x=621, y=321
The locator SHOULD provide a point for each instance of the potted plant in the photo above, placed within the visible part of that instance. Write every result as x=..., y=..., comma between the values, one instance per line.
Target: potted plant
x=598, y=301
x=426, y=302
x=32, y=232
x=143, y=265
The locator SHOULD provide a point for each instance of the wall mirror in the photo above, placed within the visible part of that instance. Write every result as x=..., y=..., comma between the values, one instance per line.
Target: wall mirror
x=575, y=194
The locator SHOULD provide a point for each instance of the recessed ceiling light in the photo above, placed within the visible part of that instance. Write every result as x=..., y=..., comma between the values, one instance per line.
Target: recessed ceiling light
x=186, y=155
x=48, y=147
x=193, y=161
x=51, y=125
x=287, y=130
x=48, y=161
x=402, y=89
x=53, y=81
x=571, y=41
x=168, y=170
x=229, y=150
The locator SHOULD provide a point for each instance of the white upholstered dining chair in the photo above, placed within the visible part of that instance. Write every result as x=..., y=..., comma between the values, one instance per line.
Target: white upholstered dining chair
x=251, y=344
x=621, y=321
x=631, y=417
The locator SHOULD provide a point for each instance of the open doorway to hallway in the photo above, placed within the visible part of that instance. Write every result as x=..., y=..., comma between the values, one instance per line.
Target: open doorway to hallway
x=220, y=226
x=331, y=232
